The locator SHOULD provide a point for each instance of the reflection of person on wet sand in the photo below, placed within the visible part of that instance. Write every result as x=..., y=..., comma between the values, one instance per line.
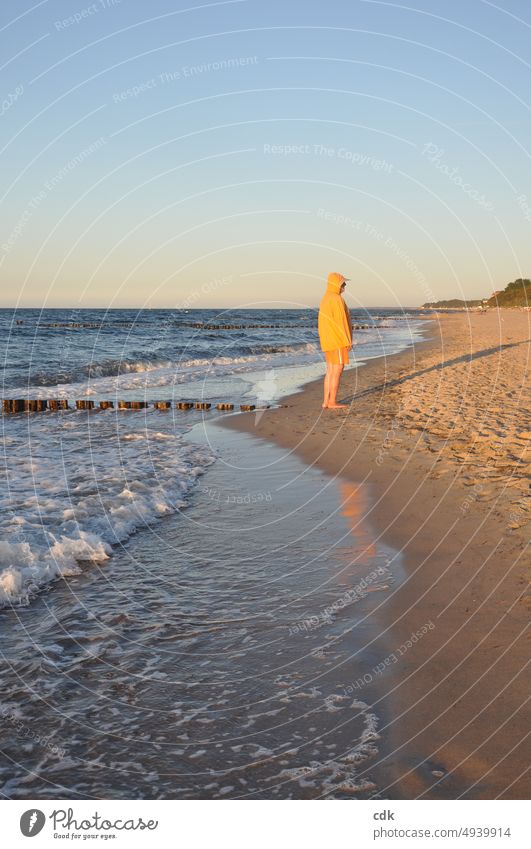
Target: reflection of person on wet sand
x=335, y=335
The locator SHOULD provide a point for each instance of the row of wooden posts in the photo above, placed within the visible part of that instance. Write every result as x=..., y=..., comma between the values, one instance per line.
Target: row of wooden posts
x=21, y=405
x=105, y=325
x=195, y=325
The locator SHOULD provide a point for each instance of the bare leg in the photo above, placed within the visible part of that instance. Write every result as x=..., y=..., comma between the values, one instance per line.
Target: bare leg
x=327, y=385
x=335, y=376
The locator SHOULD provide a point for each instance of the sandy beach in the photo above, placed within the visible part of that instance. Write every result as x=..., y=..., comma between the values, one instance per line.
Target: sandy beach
x=440, y=435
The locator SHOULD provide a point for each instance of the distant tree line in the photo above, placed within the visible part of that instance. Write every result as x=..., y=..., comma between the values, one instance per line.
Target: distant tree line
x=516, y=294
x=452, y=304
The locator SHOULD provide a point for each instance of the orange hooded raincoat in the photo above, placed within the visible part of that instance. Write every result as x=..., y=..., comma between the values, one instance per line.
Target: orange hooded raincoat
x=334, y=323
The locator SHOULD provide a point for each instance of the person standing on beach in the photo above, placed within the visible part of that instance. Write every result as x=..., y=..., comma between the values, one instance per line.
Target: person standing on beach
x=335, y=336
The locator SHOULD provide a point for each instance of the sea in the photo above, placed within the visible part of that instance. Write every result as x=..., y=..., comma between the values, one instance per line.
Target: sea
x=169, y=615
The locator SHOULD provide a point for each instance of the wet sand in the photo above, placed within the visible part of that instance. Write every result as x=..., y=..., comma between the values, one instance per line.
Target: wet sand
x=201, y=661
x=439, y=435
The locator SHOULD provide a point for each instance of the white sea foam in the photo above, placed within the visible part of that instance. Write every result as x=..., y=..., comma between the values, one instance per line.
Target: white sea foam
x=73, y=489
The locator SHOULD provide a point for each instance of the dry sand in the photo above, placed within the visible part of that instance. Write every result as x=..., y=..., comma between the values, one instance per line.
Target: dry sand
x=440, y=434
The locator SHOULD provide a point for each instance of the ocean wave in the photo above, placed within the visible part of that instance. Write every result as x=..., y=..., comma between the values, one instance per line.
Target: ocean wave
x=175, y=373
x=72, y=493
x=104, y=368
x=299, y=348
x=145, y=364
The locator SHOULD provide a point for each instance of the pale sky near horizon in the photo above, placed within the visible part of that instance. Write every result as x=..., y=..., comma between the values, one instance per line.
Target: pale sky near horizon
x=233, y=153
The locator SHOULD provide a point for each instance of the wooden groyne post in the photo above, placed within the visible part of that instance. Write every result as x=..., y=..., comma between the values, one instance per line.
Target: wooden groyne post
x=37, y=405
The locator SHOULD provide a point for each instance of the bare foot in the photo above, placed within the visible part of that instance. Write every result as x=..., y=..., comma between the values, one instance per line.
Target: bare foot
x=324, y=406
x=336, y=406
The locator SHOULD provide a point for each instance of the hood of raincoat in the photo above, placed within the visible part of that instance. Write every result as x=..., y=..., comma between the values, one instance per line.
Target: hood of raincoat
x=334, y=324
x=334, y=286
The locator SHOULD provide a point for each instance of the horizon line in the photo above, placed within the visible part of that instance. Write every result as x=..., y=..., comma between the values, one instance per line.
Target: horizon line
x=191, y=309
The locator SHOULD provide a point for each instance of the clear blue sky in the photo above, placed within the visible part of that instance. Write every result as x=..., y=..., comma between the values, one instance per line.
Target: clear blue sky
x=233, y=153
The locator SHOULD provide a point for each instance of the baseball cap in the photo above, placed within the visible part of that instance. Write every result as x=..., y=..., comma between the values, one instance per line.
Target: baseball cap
x=338, y=279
